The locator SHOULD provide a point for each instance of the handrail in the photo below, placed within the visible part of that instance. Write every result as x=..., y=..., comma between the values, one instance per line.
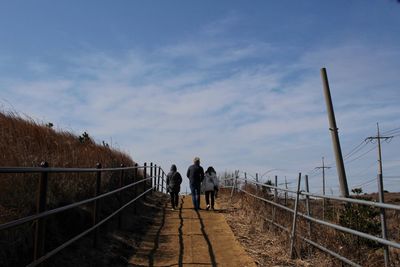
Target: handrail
x=332, y=225
x=63, y=170
x=267, y=185
x=69, y=242
x=66, y=207
x=157, y=181
x=344, y=199
x=383, y=241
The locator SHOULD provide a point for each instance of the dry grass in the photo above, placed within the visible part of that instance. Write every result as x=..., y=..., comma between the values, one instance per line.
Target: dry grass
x=248, y=222
x=26, y=143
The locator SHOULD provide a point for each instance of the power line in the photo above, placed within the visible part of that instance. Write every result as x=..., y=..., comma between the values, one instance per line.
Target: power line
x=362, y=155
x=390, y=131
x=355, y=150
x=364, y=183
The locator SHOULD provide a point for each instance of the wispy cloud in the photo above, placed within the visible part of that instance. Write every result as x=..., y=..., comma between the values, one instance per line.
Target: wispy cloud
x=228, y=103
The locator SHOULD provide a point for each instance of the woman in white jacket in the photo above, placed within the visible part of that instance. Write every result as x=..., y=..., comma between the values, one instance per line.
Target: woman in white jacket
x=210, y=185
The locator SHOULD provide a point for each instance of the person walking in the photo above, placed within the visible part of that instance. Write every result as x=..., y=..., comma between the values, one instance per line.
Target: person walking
x=174, y=180
x=195, y=173
x=210, y=185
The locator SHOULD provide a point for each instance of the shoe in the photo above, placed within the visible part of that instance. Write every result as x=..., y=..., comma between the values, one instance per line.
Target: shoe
x=208, y=207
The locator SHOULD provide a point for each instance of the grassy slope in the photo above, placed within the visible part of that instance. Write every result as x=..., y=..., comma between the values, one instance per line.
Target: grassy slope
x=26, y=143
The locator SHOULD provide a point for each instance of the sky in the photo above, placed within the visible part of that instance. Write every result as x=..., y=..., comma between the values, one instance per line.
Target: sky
x=236, y=83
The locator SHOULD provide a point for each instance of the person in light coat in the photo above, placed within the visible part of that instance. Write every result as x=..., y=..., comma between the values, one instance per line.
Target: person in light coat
x=210, y=186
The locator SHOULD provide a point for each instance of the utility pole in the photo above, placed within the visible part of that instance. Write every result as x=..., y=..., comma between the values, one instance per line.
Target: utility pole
x=380, y=189
x=344, y=189
x=323, y=167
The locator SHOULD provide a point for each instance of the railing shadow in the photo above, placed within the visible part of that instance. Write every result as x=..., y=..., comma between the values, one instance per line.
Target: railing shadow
x=157, y=239
x=210, y=248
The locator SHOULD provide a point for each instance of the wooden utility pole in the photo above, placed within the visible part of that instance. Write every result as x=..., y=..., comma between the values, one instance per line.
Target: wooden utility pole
x=381, y=191
x=344, y=189
x=323, y=167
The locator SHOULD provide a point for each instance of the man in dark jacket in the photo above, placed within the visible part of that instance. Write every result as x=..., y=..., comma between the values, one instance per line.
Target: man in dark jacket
x=195, y=173
x=174, y=180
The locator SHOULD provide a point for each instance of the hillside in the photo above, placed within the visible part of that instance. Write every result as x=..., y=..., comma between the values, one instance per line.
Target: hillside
x=27, y=143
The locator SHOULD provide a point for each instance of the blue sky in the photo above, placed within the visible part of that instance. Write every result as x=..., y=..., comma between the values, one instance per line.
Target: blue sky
x=236, y=83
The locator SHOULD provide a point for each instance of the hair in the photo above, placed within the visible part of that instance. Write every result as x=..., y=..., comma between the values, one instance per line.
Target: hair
x=196, y=160
x=210, y=170
x=173, y=167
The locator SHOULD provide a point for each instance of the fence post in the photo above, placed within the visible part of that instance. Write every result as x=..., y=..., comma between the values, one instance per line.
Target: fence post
x=135, y=187
x=151, y=176
x=275, y=200
x=120, y=195
x=293, y=233
x=155, y=178
x=96, y=208
x=162, y=181
x=308, y=210
x=158, y=179
x=286, y=193
x=41, y=199
x=144, y=182
x=234, y=184
x=257, y=182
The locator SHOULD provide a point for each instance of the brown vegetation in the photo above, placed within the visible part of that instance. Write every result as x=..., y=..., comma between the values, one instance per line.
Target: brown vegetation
x=26, y=143
x=248, y=220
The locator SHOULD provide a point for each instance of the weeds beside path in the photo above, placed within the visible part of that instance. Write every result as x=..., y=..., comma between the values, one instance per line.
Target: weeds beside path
x=266, y=248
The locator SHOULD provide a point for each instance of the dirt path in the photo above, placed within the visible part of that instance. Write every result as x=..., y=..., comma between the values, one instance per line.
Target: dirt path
x=186, y=237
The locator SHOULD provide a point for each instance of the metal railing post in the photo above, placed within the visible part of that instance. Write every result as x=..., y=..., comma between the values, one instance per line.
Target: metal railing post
x=158, y=179
x=257, y=182
x=151, y=175
x=275, y=200
x=293, y=233
x=308, y=209
x=120, y=196
x=135, y=188
x=155, y=178
x=96, y=208
x=234, y=184
x=41, y=200
x=144, y=177
x=162, y=181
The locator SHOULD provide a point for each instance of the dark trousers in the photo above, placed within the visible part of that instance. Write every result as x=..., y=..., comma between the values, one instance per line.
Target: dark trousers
x=174, y=199
x=195, y=189
x=208, y=194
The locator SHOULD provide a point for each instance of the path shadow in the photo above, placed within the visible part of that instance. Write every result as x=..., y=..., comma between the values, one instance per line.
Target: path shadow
x=157, y=239
x=210, y=249
x=181, y=246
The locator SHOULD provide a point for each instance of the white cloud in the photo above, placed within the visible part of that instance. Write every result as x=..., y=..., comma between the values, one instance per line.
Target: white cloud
x=255, y=117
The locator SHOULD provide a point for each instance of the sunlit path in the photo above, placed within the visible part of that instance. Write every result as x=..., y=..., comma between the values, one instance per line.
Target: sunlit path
x=186, y=237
